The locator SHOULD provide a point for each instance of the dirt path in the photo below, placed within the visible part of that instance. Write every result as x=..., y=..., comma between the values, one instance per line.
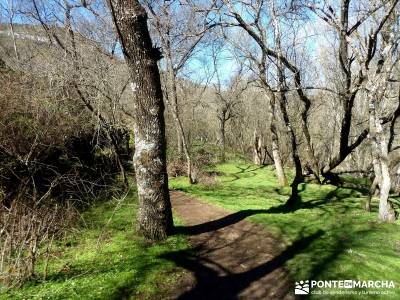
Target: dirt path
x=232, y=258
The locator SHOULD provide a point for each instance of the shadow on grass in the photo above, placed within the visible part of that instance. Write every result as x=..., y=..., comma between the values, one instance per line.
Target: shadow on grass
x=285, y=209
x=118, y=273
x=247, y=169
x=84, y=279
x=348, y=249
x=219, y=223
x=338, y=194
x=237, y=177
x=211, y=285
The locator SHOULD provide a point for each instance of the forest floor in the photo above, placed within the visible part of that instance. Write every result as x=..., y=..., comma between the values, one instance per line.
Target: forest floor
x=231, y=257
x=328, y=236
x=234, y=238
x=102, y=257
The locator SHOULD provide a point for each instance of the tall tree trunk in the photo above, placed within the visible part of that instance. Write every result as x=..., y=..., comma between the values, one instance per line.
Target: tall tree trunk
x=298, y=178
x=380, y=83
x=155, y=215
x=173, y=94
x=276, y=154
x=380, y=154
x=257, y=149
x=14, y=40
x=222, y=141
x=377, y=176
x=310, y=155
x=181, y=137
x=179, y=142
x=386, y=211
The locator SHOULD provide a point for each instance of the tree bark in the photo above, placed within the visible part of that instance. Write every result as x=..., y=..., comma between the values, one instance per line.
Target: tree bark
x=222, y=142
x=276, y=155
x=298, y=178
x=14, y=40
x=377, y=177
x=154, y=220
x=282, y=181
x=179, y=142
x=386, y=211
x=258, y=157
x=380, y=150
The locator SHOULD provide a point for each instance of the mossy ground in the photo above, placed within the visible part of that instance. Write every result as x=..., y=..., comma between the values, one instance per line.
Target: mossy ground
x=346, y=242
x=119, y=265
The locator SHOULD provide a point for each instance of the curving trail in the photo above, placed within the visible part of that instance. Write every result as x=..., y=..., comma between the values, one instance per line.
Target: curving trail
x=232, y=258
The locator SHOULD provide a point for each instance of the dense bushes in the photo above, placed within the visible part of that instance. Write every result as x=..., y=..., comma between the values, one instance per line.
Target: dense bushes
x=54, y=160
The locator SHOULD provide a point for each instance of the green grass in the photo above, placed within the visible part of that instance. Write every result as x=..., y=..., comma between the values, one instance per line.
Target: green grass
x=124, y=266
x=342, y=240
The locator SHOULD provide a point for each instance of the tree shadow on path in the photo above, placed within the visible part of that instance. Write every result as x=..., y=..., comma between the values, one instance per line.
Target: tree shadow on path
x=219, y=223
x=211, y=285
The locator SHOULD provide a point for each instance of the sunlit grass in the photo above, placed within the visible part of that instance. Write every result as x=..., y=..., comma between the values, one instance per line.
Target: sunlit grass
x=351, y=243
x=119, y=265
x=354, y=245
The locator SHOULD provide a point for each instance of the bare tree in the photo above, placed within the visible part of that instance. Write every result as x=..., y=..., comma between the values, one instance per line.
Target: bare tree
x=155, y=215
x=281, y=89
x=261, y=65
x=351, y=80
x=377, y=88
x=180, y=30
x=8, y=7
x=257, y=31
x=66, y=40
x=228, y=98
x=381, y=41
